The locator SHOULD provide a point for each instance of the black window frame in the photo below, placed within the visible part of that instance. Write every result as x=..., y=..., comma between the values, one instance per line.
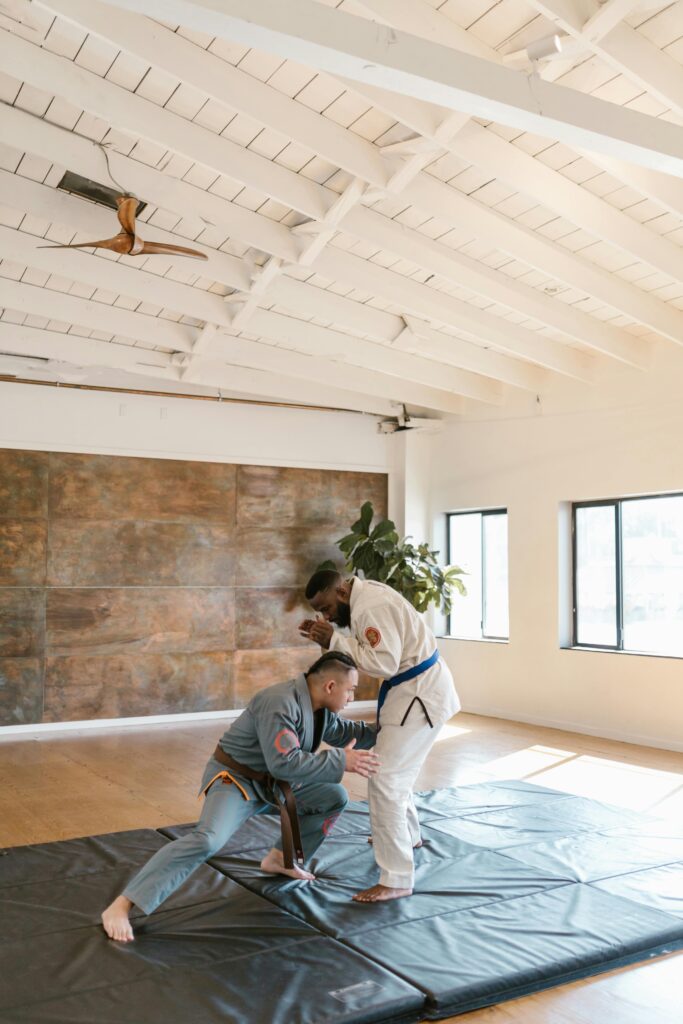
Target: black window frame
x=480, y=512
x=616, y=503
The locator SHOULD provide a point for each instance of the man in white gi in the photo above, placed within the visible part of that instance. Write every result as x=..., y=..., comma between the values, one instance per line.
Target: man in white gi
x=389, y=639
x=267, y=751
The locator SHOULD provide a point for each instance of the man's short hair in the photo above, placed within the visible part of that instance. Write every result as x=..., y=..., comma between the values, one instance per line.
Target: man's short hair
x=322, y=580
x=334, y=659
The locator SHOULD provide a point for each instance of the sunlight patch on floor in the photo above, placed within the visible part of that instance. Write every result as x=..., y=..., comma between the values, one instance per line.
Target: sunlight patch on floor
x=616, y=782
x=448, y=732
x=522, y=763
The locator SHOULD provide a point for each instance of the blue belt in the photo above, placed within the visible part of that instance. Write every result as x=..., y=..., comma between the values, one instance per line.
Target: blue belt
x=403, y=677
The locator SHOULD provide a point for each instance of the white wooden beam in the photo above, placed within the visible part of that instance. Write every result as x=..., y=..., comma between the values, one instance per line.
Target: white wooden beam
x=47, y=344
x=462, y=270
x=420, y=338
x=146, y=120
x=623, y=48
x=95, y=316
x=69, y=150
x=361, y=222
x=345, y=349
x=660, y=188
x=100, y=272
x=227, y=85
x=424, y=302
x=454, y=207
x=133, y=113
x=95, y=221
x=433, y=305
x=502, y=160
x=349, y=46
x=274, y=359
x=296, y=296
x=607, y=17
x=147, y=287
x=31, y=341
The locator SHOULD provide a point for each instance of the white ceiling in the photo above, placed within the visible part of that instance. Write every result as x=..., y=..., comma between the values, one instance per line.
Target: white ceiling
x=469, y=229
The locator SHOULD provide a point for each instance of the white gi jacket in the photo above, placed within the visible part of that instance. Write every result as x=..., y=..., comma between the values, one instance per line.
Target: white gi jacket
x=388, y=637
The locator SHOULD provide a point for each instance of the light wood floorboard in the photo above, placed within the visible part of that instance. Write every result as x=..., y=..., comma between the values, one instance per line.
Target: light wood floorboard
x=62, y=785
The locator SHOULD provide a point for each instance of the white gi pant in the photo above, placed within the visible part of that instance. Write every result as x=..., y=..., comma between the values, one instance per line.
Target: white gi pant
x=402, y=750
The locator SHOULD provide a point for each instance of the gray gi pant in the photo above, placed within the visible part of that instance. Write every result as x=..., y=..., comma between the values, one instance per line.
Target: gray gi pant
x=224, y=811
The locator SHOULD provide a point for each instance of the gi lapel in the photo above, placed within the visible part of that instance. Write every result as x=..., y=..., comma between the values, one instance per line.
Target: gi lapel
x=304, y=698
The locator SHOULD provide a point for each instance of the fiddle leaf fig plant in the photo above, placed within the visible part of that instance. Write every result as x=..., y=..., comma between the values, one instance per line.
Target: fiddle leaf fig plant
x=378, y=553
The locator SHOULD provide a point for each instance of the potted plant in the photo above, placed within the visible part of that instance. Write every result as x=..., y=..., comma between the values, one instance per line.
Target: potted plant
x=377, y=553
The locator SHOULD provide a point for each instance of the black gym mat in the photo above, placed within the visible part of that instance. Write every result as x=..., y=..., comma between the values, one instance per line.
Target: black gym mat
x=518, y=888
x=213, y=953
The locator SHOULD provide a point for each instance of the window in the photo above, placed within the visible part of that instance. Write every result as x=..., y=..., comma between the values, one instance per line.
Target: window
x=628, y=574
x=478, y=543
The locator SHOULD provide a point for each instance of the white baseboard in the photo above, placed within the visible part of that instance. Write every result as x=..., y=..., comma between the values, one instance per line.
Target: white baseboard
x=124, y=723
x=579, y=727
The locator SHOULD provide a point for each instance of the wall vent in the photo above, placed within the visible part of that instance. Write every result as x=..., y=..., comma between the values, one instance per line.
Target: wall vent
x=94, y=191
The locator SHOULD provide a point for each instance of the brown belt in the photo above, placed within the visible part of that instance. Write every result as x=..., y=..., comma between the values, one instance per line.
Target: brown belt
x=289, y=819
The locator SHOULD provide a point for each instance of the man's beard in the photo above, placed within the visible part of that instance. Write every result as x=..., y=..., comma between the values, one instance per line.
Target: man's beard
x=343, y=617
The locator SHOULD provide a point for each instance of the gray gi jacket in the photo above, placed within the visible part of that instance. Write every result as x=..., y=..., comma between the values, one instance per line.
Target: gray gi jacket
x=279, y=733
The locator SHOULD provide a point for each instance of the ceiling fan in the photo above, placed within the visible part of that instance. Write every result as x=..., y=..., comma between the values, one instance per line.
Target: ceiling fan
x=128, y=242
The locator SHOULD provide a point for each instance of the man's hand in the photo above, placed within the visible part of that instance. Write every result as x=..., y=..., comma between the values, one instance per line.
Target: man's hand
x=361, y=762
x=317, y=630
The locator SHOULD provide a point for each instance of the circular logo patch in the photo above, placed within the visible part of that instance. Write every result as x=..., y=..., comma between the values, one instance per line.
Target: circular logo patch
x=285, y=741
x=373, y=636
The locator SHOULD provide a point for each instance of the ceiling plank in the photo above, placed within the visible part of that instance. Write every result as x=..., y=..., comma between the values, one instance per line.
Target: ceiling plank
x=390, y=328
x=526, y=245
x=296, y=296
x=147, y=287
x=622, y=48
x=95, y=316
x=431, y=304
x=228, y=85
x=32, y=341
x=130, y=112
x=69, y=150
x=345, y=349
x=58, y=207
x=257, y=355
x=532, y=178
x=48, y=344
x=346, y=45
x=462, y=270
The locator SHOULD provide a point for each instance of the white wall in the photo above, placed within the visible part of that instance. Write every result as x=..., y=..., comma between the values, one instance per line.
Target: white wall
x=621, y=439
x=54, y=419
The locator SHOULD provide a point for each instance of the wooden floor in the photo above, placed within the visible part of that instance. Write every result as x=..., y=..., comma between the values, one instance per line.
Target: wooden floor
x=57, y=786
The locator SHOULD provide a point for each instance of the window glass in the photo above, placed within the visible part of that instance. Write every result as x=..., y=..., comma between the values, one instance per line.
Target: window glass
x=465, y=551
x=495, y=572
x=596, y=607
x=652, y=531
x=478, y=544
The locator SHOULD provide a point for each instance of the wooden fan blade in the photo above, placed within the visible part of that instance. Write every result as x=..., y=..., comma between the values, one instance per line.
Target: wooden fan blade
x=148, y=248
x=127, y=205
x=119, y=243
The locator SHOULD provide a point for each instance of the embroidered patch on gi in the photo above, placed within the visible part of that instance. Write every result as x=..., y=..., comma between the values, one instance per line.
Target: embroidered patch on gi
x=285, y=741
x=373, y=636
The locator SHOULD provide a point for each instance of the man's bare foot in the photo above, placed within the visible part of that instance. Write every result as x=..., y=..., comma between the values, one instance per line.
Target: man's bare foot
x=380, y=893
x=416, y=846
x=274, y=864
x=115, y=920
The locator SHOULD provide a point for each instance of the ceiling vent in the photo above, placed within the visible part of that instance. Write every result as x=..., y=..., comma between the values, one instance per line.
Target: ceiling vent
x=94, y=191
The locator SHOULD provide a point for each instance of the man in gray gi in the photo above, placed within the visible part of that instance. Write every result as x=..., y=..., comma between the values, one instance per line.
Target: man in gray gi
x=270, y=748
